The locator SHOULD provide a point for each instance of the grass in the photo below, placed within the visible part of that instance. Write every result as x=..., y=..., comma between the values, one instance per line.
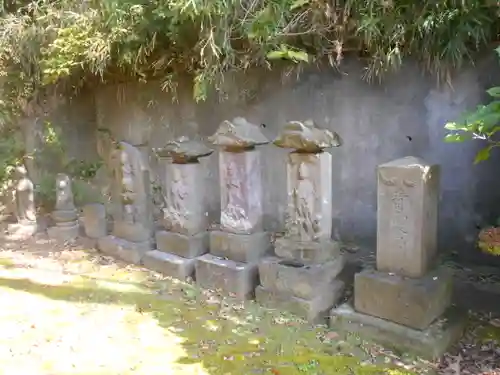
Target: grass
x=77, y=313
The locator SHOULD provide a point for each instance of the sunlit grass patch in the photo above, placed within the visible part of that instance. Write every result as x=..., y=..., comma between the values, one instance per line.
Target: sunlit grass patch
x=82, y=317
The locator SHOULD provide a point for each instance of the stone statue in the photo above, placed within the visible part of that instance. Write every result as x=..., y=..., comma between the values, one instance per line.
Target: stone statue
x=307, y=261
x=65, y=214
x=25, y=198
x=234, y=211
x=240, y=175
x=130, y=191
x=304, y=203
x=176, y=212
x=309, y=179
x=185, y=201
x=64, y=193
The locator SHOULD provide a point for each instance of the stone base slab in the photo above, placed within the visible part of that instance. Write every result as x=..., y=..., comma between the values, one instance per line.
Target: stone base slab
x=315, y=310
x=169, y=264
x=415, y=303
x=21, y=231
x=181, y=244
x=63, y=216
x=136, y=233
x=306, y=252
x=430, y=343
x=232, y=278
x=64, y=233
x=303, y=281
x=248, y=248
x=130, y=252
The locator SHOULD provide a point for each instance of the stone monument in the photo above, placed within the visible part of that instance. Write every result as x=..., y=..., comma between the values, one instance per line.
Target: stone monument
x=184, y=235
x=236, y=248
x=25, y=210
x=65, y=215
x=130, y=204
x=405, y=302
x=94, y=220
x=302, y=276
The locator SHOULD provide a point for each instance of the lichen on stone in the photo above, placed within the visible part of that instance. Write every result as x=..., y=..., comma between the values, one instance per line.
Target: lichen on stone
x=184, y=149
x=238, y=133
x=306, y=137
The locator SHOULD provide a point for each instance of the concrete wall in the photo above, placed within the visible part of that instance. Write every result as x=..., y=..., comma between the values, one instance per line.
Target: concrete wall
x=378, y=123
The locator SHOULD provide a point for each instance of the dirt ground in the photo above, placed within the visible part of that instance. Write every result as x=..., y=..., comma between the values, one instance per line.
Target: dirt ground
x=66, y=309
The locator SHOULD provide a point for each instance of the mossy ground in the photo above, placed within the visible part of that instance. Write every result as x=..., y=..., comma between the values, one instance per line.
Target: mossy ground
x=76, y=312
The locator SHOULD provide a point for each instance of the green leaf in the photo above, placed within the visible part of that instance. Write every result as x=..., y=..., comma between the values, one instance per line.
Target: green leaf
x=298, y=56
x=298, y=3
x=453, y=126
x=494, y=92
x=275, y=55
x=483, y=155
x=456, y=137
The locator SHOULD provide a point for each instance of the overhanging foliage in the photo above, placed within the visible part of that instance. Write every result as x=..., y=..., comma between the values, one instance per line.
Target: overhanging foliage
x=54, y=42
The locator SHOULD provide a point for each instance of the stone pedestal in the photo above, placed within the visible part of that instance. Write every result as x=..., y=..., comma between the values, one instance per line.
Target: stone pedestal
x=302, y=277
x=232, y=265
x=406, y=302
x=304, y=280
x=22, y=231
x=64, y=231
x=65, y=215
x=94, y=220
x=185, y=220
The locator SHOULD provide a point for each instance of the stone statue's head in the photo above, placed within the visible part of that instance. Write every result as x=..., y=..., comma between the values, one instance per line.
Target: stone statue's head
x=63, y=181
x=21, y=171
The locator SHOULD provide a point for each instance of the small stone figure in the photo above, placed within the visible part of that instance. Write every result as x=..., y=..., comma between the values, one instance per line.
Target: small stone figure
x=65, y=214
x=25, y=198
x=64, y=193
x=26, y=225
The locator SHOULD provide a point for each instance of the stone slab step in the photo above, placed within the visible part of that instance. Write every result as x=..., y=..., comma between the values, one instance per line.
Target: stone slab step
x=169, y=264
x=232, y=278
x=64, y=233
x=430, y=343
x=127, y=251
x=315, y=310
x=415, y=303
x=247, y=248
x=303, y=281
x=182, y=245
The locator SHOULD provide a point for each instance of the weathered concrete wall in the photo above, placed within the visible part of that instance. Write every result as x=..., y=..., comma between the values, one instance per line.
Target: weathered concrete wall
x=378, y=123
